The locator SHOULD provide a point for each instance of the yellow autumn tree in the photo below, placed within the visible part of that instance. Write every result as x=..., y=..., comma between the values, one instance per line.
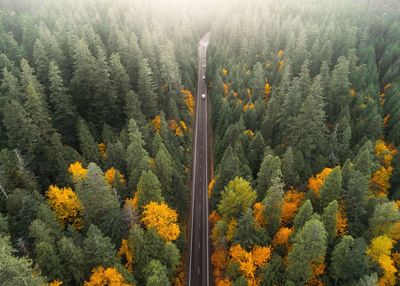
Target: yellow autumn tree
x=162, y=219
x=341, y=222
x=109, y=276
x=66, y=205
x=315, y=183
x=56, y=283
x=258, y=213
x=125, y=252
x=261, y=254
x=380, y=251
x=77, y=171
x=111, y=174
x=188, y=100
x=103, y=151
x=219, y=262
x=245, y=260
x=173, y=125
x=231, y=229
x=156, y=123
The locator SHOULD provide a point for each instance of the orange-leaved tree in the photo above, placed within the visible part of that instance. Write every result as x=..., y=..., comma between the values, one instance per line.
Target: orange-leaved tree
x=109, y=276
x=315, y=183
x=125, y=252
x=162, y=218
x=66, y=205
x=291, y=203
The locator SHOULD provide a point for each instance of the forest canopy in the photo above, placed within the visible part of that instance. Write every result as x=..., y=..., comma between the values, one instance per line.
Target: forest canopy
x=97, y=102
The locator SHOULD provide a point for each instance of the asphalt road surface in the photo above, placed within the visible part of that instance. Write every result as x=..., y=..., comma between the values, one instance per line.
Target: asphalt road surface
x=199, y=228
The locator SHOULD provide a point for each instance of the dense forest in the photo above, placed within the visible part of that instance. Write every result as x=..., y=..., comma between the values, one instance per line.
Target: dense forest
x=97, y=99
x=305, y=115
x=96, y=112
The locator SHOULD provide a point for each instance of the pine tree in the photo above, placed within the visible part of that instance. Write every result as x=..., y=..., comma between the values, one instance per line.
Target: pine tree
x=87, y=144
x=97, y=249
x=136, y=156
x=273, y=205
x=16, y=269
x=146, y=91
x=149, y=189
x=64, y=112
x=332, y=188
x=290, y=175
x=355, y=198
x=304, y=214
x=105, y=213
x=72, y=259
x=255, y=153
x=349, y=262
x=309, y=248
x=329, y=218
x=309, y=131
x=156, y=274
x=270, y=169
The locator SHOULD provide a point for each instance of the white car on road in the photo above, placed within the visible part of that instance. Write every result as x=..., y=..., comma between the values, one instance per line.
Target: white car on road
x=203, y=96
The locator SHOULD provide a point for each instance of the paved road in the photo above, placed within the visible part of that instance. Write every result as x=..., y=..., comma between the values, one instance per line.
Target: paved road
x=199, y=227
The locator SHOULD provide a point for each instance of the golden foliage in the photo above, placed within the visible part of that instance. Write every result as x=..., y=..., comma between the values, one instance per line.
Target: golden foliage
x=103, y=151
x=380, y=251
x=258, y=212
x=248, y=106
x=341, y=222
x=66, y=205
x=183, y=125
x=290, y=206
x=156, y=123
x=126, y=252
x=352, y=92
x=188, y=100
x=249, y=261
x=385, y=152
x=317, y=271
x=219, y=259
x=224, y=72
x=173, y=125
x=214, y=217
x=267, y=90
x=282, y=236
x=380, y=181
x=226, y=89
x=162, y=219
x=315, y=183
x=111, y=174
x=55, y=283
x=280, y=53
x=109, y=276
x=224, y=282
x=77, y=171
x=261, y=254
